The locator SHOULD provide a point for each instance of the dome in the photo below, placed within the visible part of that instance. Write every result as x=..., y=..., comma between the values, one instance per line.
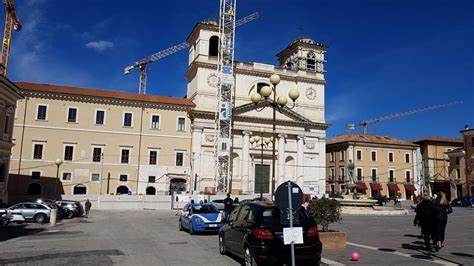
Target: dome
x=211, y=21
x=304, y=39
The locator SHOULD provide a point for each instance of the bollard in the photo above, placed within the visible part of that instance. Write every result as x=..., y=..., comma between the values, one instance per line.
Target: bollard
x=52, y=218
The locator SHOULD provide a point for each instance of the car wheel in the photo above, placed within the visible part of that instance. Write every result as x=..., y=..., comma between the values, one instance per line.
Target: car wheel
x=69, y=215
x=40, y=218
x=191, y=230
x=249, y=260
x=222, y=248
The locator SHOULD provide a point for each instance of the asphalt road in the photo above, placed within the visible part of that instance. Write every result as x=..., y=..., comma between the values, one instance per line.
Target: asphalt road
x=151, y=237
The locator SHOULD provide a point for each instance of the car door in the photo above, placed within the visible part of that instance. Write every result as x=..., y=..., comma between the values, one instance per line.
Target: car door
x=230, y=240
x=240, y=228
x=29, y=210
x=185, y=216
x=18, y=208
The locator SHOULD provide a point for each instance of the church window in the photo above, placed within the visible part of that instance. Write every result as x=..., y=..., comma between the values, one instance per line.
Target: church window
x=213, y=46
x=311, y=62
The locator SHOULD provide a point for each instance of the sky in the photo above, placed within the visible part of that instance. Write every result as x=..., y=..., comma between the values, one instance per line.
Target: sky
x=384, y=56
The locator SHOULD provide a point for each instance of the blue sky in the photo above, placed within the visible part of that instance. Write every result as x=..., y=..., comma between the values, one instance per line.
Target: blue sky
x=385, y=56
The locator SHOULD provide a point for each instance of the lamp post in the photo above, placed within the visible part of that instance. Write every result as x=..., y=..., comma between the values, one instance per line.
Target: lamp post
x=278, y=103
x=58, y=163
x=260, y=140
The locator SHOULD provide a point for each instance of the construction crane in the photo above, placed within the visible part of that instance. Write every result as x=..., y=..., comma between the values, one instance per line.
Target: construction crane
x=11, y=22
x=365, y=123
x=142, y=64
x=225, y=70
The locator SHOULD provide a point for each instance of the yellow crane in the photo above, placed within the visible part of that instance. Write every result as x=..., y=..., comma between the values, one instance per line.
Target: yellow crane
x=11, y=22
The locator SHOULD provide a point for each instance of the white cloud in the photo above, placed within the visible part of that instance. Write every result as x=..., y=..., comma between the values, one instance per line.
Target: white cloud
x=100, y=45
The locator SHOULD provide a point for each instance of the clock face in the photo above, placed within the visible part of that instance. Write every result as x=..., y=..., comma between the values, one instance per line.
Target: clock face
x=310, y=93
x=213, y=80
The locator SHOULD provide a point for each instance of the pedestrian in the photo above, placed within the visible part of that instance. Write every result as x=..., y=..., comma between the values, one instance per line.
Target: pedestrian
x=228, y=205
x=442, y=209
x=88, y=206
x=425, y=217
x=236, y=201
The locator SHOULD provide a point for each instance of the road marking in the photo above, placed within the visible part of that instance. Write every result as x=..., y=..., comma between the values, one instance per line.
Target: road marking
x=402, y=254
x=330, y=262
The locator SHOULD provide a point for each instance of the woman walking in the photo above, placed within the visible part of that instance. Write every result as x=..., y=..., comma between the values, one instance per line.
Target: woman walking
x=442, y=210
x=425, y=217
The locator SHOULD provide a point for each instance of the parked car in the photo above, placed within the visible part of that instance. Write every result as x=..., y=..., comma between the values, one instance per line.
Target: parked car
x=62, y=212
x=74, y=208
x=254, y=232
x=37, y=212
x=200, y=217
x=462, y=201
x=219, y=204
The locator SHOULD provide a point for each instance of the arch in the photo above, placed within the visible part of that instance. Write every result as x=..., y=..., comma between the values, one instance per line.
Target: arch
x=290, y=168
x=311, y=61
x=256, y=86
x=150, y=191
x=79, y=189
x=122, y=190
x=34, y=189
x=213, y=46
x=235, y=165
x=178, y=184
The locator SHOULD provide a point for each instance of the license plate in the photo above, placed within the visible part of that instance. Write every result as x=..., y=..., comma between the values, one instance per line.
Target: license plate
x=213, y=225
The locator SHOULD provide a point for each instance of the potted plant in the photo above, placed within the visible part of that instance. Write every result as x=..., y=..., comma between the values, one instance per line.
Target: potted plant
x=327, y=211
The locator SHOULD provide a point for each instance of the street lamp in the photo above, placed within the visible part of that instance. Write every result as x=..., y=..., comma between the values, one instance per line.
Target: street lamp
x=278, y=103
x=260, y=140
x=58, y=163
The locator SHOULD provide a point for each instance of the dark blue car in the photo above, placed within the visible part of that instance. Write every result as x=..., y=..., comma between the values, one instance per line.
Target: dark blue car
x=200, y=217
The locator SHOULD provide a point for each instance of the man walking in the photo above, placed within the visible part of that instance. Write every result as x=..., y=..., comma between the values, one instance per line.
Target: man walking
x=228, y=205
x=425, y=217
x=88, y=206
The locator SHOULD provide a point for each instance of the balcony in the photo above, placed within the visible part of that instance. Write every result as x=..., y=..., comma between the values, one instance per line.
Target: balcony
x=341, y=179
x=331, y=179
x=374, y=179
x=359, y=179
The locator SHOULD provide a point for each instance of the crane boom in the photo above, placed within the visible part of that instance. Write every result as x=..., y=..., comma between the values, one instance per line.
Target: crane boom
x=141, y=64
x=11, y=22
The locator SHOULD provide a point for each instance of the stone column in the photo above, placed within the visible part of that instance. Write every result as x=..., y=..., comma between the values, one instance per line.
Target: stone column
x=300, y=161
x=196, y=156
x=281, y=160
x=245, y=162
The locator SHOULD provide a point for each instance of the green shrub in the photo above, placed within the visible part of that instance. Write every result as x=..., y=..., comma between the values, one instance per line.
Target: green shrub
x=325, y=212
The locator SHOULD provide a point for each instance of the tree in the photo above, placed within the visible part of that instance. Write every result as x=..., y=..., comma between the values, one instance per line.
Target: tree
x=325, y=212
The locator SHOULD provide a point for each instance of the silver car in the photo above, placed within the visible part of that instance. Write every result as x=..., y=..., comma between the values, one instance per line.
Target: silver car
x=37, y=212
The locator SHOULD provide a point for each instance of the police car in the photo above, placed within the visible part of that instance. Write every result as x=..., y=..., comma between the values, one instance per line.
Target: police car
x=200, y=217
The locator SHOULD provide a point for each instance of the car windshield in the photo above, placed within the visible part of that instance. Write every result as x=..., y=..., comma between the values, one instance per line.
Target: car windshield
x=205, y=209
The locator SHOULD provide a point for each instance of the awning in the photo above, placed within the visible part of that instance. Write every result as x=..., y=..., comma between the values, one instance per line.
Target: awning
x=410, y=187
x=393, y=187
x=362, y=186
x=375, y=186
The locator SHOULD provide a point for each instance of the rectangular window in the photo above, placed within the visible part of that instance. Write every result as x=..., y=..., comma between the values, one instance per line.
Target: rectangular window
x=38, y=151
x=472, y=142
x=97, y=155
x=331, y=157
x=7, y=124
x=72, y=115
x=458, y=173
x=35, y=174
x=68, y=153
x=359, y=155
x=390, y=157
x=95, y=177
x=127, y=119
x=153, y=157
x=343, y=173
x=407, y=158
x=151, y=179
x=125, y=156
x=181, y=124
x=343, y=155
x=359, y=174
x=123, y=178
x=391, y=176
x=155, y=121
x=179, y=158
x=374, y=156
x=42, y=112
x=374, y=175
x=99, y=117
x=407, y=176
x=332, y=173
x=67, y=176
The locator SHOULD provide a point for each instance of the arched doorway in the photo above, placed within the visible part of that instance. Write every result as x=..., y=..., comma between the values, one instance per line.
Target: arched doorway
x=150, y=191
x=178, y=184
x=213, y=46
x=122, y=190
x=34, y=189
x=79, y=189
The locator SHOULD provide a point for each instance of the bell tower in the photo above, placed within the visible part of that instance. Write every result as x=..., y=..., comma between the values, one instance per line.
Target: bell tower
x=303, y=54
x=204, y=41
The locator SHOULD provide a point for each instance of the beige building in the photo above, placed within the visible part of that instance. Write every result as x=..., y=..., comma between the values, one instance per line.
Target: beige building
x=435, y=162
x=382, y=165
x=98, y=142
x=457, y=173
x=9, y=95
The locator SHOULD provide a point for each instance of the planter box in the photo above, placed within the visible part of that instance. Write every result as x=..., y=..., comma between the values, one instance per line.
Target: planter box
x=333, y=240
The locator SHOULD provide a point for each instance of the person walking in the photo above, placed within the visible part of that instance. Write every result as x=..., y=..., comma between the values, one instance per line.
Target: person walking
x=228, y=205
x=442, y=209
x=425, y=217
x=88, y=206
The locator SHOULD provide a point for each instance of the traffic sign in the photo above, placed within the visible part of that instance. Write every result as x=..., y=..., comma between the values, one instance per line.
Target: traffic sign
x=282, y=197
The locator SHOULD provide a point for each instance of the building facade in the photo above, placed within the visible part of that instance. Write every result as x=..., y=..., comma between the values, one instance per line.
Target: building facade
x=457, y=173
x=301, y=131
x=468, y=141
x=85, y=141
x=383, y=166
x=435, y=162
x=9, y=95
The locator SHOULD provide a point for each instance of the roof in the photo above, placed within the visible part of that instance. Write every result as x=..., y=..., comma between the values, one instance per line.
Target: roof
x=36, y=87
x=438, y=139
x=375, y=139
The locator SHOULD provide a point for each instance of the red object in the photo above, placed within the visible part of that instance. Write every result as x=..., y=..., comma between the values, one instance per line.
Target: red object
x=262, y=233
x=393, y=187
x=410, y=187
x=362, y=186
x=375, y=186
x=312, y=232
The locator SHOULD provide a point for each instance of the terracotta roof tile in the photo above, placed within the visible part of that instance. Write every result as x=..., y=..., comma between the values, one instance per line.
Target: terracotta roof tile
x=369, y=139
x=438, y=139
x=27, y=86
